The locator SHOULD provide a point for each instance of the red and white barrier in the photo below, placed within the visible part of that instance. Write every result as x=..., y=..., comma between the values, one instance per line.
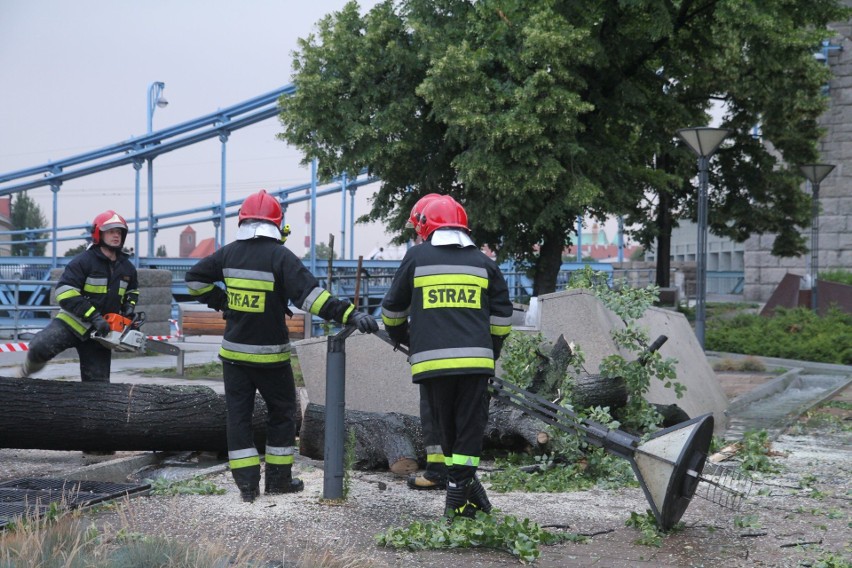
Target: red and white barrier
x=14, y=347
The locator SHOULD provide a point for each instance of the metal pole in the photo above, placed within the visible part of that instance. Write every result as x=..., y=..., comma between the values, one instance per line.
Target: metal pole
x=150, y=211
x=223, y=137
x=352, y=223
x=313, y=216
x=54, y=187
x=155, y=99
x=814, y=244
x=620, y=238
x=343, y=216
x=335, y=410
x=579, y=238
x=137, y=165
x=701, y=252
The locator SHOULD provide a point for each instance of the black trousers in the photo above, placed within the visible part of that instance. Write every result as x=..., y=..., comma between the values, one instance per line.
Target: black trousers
x=95, y=359
x=278, y=389
x=436, y=469
x=460, y=405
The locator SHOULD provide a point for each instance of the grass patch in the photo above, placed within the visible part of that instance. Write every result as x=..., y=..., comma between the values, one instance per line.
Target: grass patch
x=749, y=364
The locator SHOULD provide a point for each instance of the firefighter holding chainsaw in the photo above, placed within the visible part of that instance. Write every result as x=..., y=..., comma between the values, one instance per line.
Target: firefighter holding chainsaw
x=460, y=314
x=260, y=277
x=96, y=283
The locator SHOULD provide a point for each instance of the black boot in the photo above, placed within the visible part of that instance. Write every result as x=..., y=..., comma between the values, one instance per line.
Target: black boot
x=279, y=480
x=477, y=497
x=457, y=504
x=249, y=492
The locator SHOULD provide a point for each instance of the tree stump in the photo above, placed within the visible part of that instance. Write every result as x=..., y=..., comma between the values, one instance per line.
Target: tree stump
x=64, y=415
x=382, y=440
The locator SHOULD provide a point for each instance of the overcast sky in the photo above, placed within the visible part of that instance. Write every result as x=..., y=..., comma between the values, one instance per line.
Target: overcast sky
x=76, y=77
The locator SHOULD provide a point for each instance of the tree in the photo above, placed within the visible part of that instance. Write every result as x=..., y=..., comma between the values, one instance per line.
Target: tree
x=322, y=252
x=161, y=251
x=26, y=214
x=533, y=112
x=76, y=250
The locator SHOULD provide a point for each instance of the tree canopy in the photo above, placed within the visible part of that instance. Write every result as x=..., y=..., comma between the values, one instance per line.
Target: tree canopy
x=26, y=214
x=531, y=112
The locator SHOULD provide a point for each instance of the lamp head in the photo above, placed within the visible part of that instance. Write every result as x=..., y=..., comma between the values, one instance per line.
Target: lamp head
x=162, y=102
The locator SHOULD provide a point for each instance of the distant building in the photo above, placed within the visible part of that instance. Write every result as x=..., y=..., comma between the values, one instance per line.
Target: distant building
x=596, y=245
x=189, y=248
x=6, y=225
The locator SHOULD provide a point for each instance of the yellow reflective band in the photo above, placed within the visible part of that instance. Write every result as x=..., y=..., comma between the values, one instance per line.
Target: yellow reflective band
x=244, y=301
x=68, y=294
x=249, y=284
x=244, y=462
x=393, y=321
x=89, y=312
x=448, y=461
x=461, y=459
x=450, y=279
x=200, y=291
x=254, y=357
x=122, y=292
x=500, y=329
x=319, y=302
x=95, y=289
x=452, y=296
x=75, y=325
x=435, y=458
x=347, y=313
x=279, y=460
x=459, y=363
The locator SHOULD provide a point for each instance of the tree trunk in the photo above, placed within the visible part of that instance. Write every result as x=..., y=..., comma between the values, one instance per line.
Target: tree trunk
x=664, y=235
x=63, y=415
x=382, y=440
x=510, y=429
x=548, y=263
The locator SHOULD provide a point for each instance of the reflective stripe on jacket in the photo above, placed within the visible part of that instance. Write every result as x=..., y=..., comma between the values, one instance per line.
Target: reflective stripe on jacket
x=458, y=302
x=260, y=277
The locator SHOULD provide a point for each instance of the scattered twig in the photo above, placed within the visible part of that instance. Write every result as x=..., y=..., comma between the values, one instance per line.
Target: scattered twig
x=753, y=534
x=801, y=543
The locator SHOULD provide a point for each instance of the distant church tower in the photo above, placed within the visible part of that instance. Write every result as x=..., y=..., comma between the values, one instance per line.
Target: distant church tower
x=187, y=242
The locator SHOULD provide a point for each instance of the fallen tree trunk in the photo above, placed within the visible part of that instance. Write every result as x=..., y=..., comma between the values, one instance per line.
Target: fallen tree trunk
x=382, y=440
x=510, y=429
x=64, y=415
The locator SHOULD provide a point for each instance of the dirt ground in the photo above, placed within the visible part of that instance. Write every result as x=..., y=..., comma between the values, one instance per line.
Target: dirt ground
x=796, y=517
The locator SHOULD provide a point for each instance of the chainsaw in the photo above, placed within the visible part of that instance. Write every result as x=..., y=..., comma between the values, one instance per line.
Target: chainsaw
x=125, y=336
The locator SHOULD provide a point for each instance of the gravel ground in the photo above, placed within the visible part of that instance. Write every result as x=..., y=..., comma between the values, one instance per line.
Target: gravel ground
x=791, y=519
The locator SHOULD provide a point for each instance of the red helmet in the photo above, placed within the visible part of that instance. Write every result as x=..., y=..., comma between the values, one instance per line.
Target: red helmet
x=106, y=221
x=443, y=211
x=415, y=220
x=261, y=206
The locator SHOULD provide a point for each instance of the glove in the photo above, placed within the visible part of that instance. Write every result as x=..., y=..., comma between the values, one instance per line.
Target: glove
x=364, y=322
x=128, y=310
x=218, y=302
x=101, y=327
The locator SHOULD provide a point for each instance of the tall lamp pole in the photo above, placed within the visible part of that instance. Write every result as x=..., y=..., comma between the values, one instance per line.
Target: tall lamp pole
x=155, y=99
x=815, y=174
x=704, y=141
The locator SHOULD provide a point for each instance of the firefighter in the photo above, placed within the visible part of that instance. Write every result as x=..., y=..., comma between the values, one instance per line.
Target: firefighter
x=460, y=314
x=435, y=474
x=260, y=277
x=98, y=281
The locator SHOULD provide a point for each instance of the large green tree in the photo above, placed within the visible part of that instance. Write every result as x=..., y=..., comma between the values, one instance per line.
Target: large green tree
x=531, y=112
x=26, y=214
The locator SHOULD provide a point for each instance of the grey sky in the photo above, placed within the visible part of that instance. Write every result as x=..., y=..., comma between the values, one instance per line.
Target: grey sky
x=76, y=76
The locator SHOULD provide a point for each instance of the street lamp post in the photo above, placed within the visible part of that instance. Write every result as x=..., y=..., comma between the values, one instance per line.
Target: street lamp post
x=704, y=141
x=815, y=174
x=155, y=99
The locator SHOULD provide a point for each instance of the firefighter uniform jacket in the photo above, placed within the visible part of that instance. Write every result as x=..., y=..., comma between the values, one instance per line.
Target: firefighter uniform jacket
x=93, y=284
x=459, y=306
x=260, y=277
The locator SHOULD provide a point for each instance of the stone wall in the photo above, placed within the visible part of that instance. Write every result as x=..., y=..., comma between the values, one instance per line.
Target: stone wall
x=763, y=272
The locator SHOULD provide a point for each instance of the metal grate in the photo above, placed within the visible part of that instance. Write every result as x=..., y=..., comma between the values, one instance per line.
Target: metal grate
x=32, y=497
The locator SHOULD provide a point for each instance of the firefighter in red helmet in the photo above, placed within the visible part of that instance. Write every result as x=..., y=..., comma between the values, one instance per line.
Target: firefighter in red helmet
x=260, y=277
x=448, y=284
x=98, y=281
x=435, y=474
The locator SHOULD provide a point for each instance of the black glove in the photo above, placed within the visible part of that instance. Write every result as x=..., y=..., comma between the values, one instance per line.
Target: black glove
x=101, y=327
x=218, y=302
x=128, y=310
x=364, y=322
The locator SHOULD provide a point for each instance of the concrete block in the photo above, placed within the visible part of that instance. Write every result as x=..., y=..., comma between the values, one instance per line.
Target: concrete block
x=378, y=379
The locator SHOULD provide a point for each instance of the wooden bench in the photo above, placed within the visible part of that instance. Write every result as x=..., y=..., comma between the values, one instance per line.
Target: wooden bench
x=204, y=321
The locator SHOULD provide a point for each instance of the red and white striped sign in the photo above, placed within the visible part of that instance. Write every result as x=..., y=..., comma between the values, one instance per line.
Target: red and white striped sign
x=13, y=347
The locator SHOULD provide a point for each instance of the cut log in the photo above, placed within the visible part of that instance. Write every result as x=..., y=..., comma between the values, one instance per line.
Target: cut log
x=510, y=429
x=390, y=440
x=65, y=415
